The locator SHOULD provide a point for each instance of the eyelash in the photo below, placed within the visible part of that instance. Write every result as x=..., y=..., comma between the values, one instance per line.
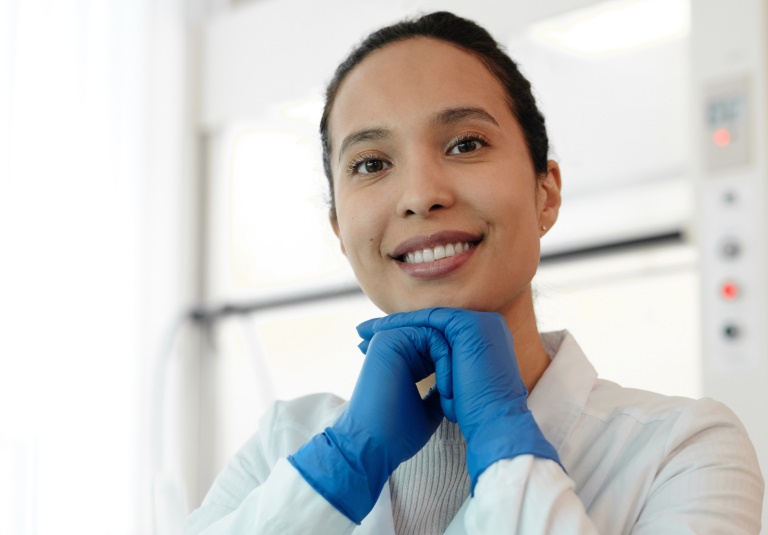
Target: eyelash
x=355, y=164
x=469, y=136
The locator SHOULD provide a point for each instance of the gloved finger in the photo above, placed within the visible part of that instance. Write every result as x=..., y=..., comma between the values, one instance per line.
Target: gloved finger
x=366, y=332
x=467, y=326
x=416, y=318
x=438, y=318
x=440, y=353
x=448, y=409
x=433, y=405
x=410, y=344
x=446, y=405
x=365, y=329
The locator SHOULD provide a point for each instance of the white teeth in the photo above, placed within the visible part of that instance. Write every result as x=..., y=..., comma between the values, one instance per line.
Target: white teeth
x=436, y=253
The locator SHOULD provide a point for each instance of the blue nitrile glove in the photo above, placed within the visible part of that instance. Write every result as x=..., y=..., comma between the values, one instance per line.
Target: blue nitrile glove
x=385, y=423
x=441, y=357
x=489, y=397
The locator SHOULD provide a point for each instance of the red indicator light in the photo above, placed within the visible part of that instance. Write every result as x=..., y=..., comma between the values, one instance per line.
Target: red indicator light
x=729, y=291
x=721, y=137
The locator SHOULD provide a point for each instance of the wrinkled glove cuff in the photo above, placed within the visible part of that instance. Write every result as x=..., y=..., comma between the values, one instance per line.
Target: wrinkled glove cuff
x=341, y=481
x=505, y=438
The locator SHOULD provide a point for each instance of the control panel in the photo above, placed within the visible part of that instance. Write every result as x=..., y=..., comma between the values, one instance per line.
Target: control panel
x=729, y=89
x=733, y=330
x=729, y=230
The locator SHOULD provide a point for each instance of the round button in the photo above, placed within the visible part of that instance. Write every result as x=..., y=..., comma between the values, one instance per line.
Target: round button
x=729, y=291
x=729, y=197
x=731, y=331
x=730, y=248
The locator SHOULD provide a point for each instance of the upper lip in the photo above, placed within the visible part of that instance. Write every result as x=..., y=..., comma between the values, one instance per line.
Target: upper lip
x=445, y=237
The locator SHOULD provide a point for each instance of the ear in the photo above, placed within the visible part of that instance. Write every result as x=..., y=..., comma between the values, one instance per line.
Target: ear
x=548, y=196
x=335, y=225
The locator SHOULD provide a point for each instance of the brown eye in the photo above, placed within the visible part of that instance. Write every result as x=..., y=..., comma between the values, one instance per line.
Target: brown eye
x=467, y=145
x=373, y=166
x=370, y=166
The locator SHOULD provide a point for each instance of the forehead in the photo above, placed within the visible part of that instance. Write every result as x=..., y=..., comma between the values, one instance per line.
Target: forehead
x=408, y=81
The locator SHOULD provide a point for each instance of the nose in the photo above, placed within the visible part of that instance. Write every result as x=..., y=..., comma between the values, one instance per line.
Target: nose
x=426, y=189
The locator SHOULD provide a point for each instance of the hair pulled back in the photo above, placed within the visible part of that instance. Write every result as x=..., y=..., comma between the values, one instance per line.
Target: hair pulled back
x=474, y=39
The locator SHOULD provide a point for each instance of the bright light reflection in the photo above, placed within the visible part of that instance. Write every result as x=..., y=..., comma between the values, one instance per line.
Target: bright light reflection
x=615, y=27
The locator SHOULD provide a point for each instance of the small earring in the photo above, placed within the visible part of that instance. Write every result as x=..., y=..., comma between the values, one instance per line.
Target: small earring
x=543, y=227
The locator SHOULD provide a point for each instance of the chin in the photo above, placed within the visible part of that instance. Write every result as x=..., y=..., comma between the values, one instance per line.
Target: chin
x=470, y=299
x=417, y=303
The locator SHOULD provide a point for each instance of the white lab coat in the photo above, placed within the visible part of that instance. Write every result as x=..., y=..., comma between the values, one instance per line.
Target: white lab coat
x=637, y=463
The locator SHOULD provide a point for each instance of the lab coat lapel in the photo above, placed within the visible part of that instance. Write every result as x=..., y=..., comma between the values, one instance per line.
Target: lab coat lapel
x=559, y=397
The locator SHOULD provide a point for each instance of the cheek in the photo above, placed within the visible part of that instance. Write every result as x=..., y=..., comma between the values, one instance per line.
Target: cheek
x=511, y=208
x=360, y=231
x=512, y=214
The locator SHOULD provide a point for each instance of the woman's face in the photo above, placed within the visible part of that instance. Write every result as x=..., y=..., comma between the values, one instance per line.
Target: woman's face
x=436, y=197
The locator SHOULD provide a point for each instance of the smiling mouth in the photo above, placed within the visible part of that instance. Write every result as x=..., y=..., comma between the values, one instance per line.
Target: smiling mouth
x=431, y=254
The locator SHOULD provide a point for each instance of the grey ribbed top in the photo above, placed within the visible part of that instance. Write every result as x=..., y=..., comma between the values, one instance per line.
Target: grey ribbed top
x=430, y=488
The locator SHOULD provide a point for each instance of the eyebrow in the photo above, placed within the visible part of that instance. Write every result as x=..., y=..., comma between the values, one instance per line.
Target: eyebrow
x=367, y=134
x=454, y=115
x=444, y=117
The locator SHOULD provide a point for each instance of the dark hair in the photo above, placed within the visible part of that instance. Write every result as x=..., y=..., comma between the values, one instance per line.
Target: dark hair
x=474, y=39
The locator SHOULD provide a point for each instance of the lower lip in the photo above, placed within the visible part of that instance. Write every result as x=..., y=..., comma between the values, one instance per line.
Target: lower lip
x=438, y=268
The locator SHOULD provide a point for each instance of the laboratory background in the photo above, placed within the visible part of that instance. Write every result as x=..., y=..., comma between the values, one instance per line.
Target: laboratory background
x=168, y=267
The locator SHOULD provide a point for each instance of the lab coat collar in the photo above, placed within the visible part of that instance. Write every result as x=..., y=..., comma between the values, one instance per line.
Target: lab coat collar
x=559, y=397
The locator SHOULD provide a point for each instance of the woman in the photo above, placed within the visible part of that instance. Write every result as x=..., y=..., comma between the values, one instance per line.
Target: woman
x=436, y=156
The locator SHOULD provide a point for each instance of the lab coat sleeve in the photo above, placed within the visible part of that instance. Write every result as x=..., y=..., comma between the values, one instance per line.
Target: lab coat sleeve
x=260, y=492
x=526, y=495
x=283, y=505
x=710, y=481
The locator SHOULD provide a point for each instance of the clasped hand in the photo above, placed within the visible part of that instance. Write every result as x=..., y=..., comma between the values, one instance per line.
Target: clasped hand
x=478, y=385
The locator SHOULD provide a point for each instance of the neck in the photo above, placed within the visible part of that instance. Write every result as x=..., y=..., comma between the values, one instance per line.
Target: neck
x=532, y=359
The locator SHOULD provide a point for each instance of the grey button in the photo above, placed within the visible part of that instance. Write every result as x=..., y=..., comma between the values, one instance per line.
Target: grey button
x=731, y=331
x=730, y=248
